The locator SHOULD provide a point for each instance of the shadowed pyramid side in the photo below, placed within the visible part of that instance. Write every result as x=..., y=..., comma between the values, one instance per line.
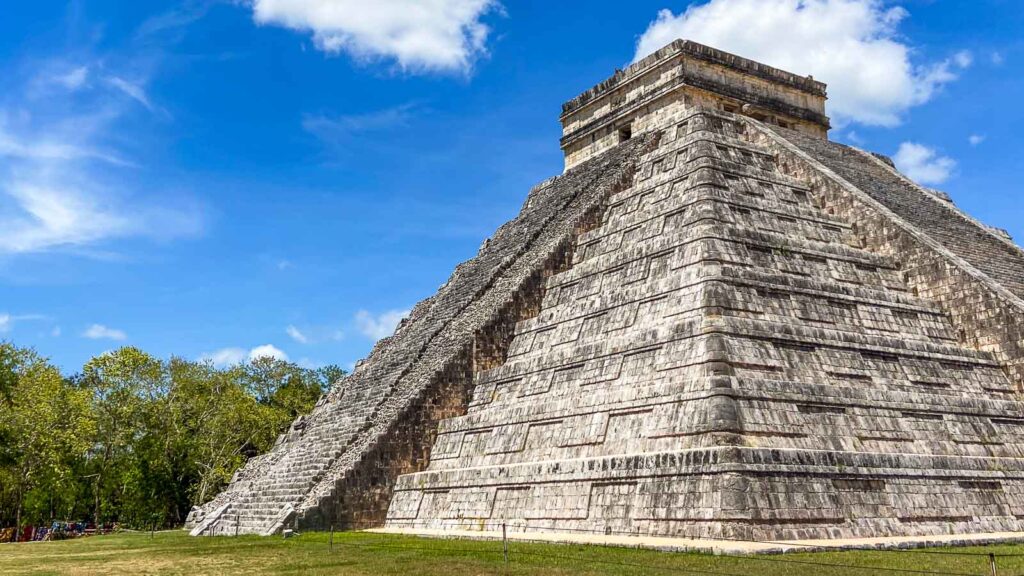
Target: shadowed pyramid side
x=337, y=465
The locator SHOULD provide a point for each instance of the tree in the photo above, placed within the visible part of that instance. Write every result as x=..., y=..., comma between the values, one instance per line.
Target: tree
x=9, y=359
x=122, y=383
x=285, y=387
x=330, y=375
x=48, y=426
x=10, y=356
x=224, y=422
x=136, y=439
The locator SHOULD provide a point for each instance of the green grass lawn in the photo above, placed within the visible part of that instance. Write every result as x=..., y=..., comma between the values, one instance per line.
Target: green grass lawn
x=361, y=553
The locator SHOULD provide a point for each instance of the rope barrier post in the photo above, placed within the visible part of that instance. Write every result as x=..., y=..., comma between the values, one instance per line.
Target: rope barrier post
x=504, y=543
x=332, y=538
x=992, y=563
x=238, y=520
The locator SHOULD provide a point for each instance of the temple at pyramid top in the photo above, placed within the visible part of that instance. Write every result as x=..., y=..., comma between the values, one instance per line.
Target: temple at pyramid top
x=629, y=102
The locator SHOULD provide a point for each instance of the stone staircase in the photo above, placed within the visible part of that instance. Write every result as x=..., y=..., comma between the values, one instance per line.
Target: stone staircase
x=987, y=251
x=380, y=421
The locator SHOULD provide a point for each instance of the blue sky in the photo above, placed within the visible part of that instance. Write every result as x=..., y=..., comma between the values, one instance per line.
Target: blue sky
x=207, y=179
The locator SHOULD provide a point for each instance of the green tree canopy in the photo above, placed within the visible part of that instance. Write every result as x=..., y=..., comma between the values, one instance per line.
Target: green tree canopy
x=135, y=439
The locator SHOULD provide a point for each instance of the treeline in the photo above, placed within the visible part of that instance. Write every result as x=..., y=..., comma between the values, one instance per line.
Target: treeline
x=135, y=439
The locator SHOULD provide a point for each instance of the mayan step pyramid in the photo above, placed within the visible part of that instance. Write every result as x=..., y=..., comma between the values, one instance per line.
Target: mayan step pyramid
x=716, y=323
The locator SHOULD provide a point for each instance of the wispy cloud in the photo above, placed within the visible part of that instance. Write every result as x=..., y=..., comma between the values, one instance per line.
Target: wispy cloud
x=133, y=90
x=377, y=326
x=346, y=135
x=342, y=128
x=975, y=139
x=171, y=23
x=74, y=78
x=101, y=332
x=313, y=334
x=55, y=143
x=297, y=335
x=67, y=178
x=8, y=321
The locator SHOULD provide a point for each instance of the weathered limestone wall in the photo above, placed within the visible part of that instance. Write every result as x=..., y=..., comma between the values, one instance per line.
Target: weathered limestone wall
x=728, y=357
x=976, y=275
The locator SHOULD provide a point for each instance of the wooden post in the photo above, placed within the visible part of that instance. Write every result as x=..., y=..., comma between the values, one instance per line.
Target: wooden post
x=992, y=563
x=504, y=543
x=332, y=538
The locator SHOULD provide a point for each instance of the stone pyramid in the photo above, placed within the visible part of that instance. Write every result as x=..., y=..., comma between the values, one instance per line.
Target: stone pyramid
x=715, y=323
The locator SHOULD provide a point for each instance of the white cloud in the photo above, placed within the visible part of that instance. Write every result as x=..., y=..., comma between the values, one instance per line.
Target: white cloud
x=923, y=164
x=226, y=357
x=101, y=332
x=267, y=351
x=5, y=323
x=420, y=35
x=297, y=335
x=381, y=325
x=963, y=59
x=852, y=45
x=975, y=139
x=997, y=58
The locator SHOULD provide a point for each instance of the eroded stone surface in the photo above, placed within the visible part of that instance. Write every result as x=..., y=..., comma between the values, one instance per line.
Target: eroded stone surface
x=727, y=359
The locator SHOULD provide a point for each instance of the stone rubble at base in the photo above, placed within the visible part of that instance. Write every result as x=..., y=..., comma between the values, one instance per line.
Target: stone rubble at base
x=715, y=324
